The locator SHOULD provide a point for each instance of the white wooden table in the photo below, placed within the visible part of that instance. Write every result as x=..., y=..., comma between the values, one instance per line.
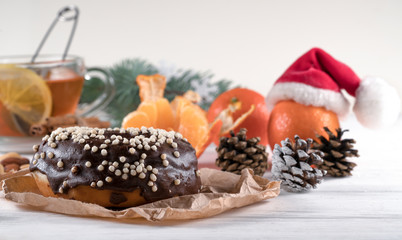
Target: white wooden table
x=365, y=206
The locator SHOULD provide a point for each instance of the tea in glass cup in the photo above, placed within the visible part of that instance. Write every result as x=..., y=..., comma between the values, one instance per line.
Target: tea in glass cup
x=31, y=92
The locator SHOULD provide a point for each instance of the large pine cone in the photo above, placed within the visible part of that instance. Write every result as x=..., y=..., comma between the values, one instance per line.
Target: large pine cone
x=336, y=151
x=291, y=164
x=236, y=153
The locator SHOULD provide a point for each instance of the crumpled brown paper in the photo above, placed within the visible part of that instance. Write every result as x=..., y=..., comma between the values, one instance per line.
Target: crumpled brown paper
x=221, y=192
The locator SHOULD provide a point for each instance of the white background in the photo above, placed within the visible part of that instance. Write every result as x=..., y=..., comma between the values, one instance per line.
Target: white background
x=249, y=42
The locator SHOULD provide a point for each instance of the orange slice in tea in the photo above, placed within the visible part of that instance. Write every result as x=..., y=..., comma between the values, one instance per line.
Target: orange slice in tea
x=24, y=94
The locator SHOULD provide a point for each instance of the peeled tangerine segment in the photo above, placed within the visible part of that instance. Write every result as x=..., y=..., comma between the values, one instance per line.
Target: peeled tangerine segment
x=165, y=119
x=136, y=119
x=149, y=108
x=25, y=94
x=194, y=126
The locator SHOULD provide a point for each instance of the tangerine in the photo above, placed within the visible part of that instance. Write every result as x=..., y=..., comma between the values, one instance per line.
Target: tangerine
x=181, y=115
x=246, y=108
x=289, y=118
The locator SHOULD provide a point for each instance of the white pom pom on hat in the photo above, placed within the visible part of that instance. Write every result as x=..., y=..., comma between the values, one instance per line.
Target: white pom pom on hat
x=316, y=79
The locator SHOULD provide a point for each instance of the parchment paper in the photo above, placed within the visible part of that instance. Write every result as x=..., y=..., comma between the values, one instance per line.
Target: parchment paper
x=221, y=192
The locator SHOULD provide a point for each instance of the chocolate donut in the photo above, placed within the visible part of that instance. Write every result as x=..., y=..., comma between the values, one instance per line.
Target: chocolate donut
x=115, y=167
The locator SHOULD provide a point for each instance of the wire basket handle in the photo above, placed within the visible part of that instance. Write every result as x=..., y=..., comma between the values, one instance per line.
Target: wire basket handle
x=62, y=16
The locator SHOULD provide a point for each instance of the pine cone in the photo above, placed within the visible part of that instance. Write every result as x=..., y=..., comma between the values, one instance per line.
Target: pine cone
x=236, y=153
x=291, y=164
x=336, y=150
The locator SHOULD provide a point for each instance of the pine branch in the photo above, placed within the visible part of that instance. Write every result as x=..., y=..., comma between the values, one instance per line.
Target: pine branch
x=127, y=92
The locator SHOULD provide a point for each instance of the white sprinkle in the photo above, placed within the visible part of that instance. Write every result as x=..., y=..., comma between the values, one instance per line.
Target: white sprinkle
x=115, y=164
x=163, y=156
x=58, y=138
x=124, y=176
x=93, y=184
x=94, y=148
x=154, y=148
x=149, y=168
x=115, y=142
x=104, y=162
x=92, y=135
x=53, y=145
x=155, y=171
x=35, y=148
x=142, y=175
x=152, y=177
x=136, y=163
x=64, y=183
x=139, y=146
x=60, y=164
x=169, y=140
x=143, y=156
x=111, y=168
x=174, y=145
x=176, y=154
x=50, y=155
x=133, y=172
x=177, y=182
x=104, y=152
x=63, y=137
x=125, y=170
x=198, y=173
x=81, y=141
x=45, y=138
x=165, y=163
x=107, y=141
x=113, y=137
x=42, y=155
x=74, y=169
x=35, y=161
x=154, y=188
x=178, y=135
x=150, y=183
x=131, y=150
x=119, y=137
x=60, y=190
x=88, y=164
x=122, y=159
x=87, y=147
x=157, y=144
x=125, y=141
x=37, y=155
x=139, y=169
x=147, y=147
x=99, y=183
x=133, y=166
x=117, y=172
x=101, y=167
x=101, y=137
x=102, y=146
x=108, y=179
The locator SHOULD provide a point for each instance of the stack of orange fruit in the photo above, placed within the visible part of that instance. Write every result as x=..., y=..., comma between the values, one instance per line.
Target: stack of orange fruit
x=181, y=115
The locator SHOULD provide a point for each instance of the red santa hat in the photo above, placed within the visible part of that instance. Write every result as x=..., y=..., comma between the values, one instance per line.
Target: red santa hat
x=316, y=78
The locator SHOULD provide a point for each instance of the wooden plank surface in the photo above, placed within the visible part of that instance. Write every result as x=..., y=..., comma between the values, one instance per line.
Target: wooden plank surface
x=367, y=205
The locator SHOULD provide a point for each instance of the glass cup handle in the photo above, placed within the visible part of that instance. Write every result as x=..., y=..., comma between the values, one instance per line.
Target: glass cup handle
x=105, y=98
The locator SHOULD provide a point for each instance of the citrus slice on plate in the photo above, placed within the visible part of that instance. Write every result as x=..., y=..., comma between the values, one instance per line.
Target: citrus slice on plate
x=24, y=94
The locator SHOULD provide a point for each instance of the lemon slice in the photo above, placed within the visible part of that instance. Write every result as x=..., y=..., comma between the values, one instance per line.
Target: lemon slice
x=24, y=94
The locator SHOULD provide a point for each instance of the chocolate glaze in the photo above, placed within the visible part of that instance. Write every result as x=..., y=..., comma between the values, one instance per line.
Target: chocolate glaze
x=117, y=198
x=73, y=154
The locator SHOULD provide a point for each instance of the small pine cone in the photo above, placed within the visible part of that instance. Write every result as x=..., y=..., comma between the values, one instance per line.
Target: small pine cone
x=237, y=152
x=336, y=150
x=291, y=164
